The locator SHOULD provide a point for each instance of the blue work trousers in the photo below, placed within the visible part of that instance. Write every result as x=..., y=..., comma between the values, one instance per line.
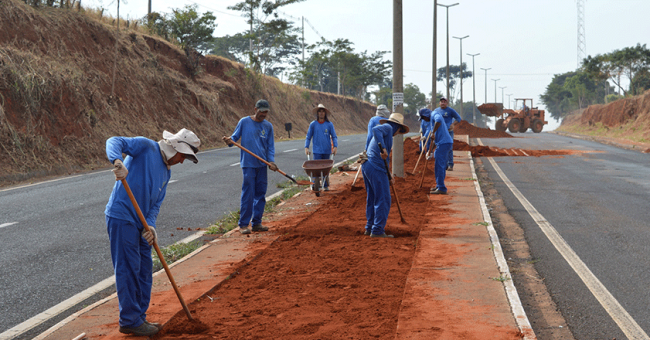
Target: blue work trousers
x=132, y=263
x=440, y=168
x=450, y=161
x=253, y=192
x=323, y=156
x=378, y=198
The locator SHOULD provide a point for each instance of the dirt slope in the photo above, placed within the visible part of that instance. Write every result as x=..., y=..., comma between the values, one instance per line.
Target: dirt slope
x=56, y=109
x=625, y=119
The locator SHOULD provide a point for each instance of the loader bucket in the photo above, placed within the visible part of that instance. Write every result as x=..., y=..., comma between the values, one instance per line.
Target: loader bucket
x=491, y=109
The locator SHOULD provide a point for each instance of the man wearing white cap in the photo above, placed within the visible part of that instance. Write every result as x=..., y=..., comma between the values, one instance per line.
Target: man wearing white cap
x=375, y=176
x=324, y=135
x=147, y=164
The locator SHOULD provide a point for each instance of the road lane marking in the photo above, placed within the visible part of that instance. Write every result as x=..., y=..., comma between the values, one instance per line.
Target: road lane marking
x=33, y=184
x=622, y=318
x=7, y=224
x=234, y=164
x=290, y=150
x=172, y=181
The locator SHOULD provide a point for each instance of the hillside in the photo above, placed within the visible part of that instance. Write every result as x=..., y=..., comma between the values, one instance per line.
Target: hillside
x=56, y=110
x=625, y=122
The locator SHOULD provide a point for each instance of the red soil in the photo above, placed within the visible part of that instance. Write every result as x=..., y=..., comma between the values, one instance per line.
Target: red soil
x=488, y=151
x=465, y=128
x=321, y=278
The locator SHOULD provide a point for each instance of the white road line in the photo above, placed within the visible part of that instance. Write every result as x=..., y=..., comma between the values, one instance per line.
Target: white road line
x=7, y=224
x=234, y=164
x=33, y=184
x=290, y=150
x=622, y=318
x=172, y=181
x=345, y=140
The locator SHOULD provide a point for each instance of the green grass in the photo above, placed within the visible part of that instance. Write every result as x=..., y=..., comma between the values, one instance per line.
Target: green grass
x=501, y=278
x=174, y=253
x=485, y=224
x=224, y=225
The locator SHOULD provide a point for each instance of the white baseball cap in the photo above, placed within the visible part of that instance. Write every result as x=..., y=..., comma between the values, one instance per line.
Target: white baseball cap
x=185, y=142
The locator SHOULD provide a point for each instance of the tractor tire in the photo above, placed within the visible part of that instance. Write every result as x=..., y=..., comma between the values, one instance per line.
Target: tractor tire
x=499, y=125
x=537, y=126
x=523, y=128
x=514, y=125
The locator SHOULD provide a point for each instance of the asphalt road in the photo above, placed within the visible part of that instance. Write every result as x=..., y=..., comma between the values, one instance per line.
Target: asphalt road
x=53, y=235
x=598, y=203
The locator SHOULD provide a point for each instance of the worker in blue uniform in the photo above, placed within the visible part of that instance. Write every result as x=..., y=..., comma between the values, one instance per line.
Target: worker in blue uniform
x=444, y=145
x=321, y=130
x=381, y=113
x=147, y=164
x=424, y=116
x=256, y=135
x=448, y=114
x=375, y=174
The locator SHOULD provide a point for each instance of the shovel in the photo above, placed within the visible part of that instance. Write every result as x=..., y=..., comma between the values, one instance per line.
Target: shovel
x=269, y=164
x=421, y=153
x=155, y=245
x=390, y=180
x=353, y=188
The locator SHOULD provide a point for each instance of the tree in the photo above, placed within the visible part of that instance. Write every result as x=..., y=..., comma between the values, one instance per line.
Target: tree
x=190, y=29
x=454, y=77
x=573, y=90
x=413, y=99
x=628, y=62
x=272, y=41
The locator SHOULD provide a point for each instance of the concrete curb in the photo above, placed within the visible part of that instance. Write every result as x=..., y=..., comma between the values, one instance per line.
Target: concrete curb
x=511, y=291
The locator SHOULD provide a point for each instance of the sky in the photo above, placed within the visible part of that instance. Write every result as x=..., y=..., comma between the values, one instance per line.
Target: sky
x=523, y=43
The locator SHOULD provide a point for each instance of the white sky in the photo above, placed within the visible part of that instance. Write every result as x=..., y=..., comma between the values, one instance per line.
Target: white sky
x=523, y=42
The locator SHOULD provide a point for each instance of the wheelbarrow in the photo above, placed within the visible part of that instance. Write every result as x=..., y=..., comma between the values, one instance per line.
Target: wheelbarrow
x=317, y=169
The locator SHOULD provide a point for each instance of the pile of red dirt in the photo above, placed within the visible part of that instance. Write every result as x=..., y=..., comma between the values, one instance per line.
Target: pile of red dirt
x=490, y=151
x=321, y=278
x=465, y=128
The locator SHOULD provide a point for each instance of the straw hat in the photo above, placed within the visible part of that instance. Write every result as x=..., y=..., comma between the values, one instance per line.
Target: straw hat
x=321, y=106
x=396, y=118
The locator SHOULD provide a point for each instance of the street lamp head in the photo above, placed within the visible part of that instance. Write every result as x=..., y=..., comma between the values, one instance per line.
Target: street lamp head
x=472, y=55
x=486, y=69
x=467, y=36
x=452, y=5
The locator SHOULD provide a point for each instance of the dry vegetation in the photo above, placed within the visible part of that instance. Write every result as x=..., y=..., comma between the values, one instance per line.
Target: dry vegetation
x=56, y=109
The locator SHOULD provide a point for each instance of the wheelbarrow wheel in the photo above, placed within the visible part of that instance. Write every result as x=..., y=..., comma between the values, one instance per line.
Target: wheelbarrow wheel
x=316, y=186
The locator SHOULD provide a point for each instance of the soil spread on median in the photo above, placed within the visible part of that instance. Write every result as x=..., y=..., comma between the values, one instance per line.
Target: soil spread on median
x=322, y=278
x=465, y=128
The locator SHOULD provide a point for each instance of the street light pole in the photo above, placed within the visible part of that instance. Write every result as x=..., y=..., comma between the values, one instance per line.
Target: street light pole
x=473, y=89
x=486, y=69
x=495, y=89
x=447, y=6
x=502, y=102
x=508, y=94
x=434, y=90
x=461, y=73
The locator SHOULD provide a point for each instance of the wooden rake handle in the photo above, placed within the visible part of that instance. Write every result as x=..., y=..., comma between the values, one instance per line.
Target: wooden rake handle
x=264, y=161
x=155, y=245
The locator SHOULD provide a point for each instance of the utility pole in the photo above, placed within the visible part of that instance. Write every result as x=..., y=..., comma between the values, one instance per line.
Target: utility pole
x=495, y=89
x=508, y=94
x=473, y=89
x=461, y=74
x=502, y=93
x=486, y=69
x=149, y=11
x=303, y=42
x=398, y=87
x=447, y=6
x=434, y=90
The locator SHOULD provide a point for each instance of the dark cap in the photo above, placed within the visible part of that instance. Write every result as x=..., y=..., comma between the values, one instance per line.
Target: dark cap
x=262, y=105
x=443, y=98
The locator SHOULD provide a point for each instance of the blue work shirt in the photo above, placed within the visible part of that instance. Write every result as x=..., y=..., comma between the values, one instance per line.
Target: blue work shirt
x=148, y=177
x=257, y=137
x=448, y=114
x=374, y=121
x=324, y=136
x=442, y=134
x=381, y=133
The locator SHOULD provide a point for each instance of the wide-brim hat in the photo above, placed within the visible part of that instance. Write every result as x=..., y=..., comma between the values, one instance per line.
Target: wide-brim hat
x=185, y=142
x=396, y=118
x=321, y=106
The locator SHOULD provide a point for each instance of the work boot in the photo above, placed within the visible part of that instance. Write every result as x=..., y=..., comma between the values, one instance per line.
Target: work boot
x=260, y=227
x=244, y=230
x=155, y=324
x=450, y=168
x=146, y=329
x=382, y=235
x=438, y=192
x=366, y=233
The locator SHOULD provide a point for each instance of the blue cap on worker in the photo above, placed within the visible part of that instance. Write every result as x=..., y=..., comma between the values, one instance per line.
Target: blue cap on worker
x=262, y=105
x=424, y=112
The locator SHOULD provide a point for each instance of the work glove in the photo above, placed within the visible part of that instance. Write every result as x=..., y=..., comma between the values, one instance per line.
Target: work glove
x=363, y=157
x=384, y=154
x=334, y=151
x=227, y=140
x=429, y=156
x=307, y=151
x=120, y=170
x=273, y=167
x=150, y=236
